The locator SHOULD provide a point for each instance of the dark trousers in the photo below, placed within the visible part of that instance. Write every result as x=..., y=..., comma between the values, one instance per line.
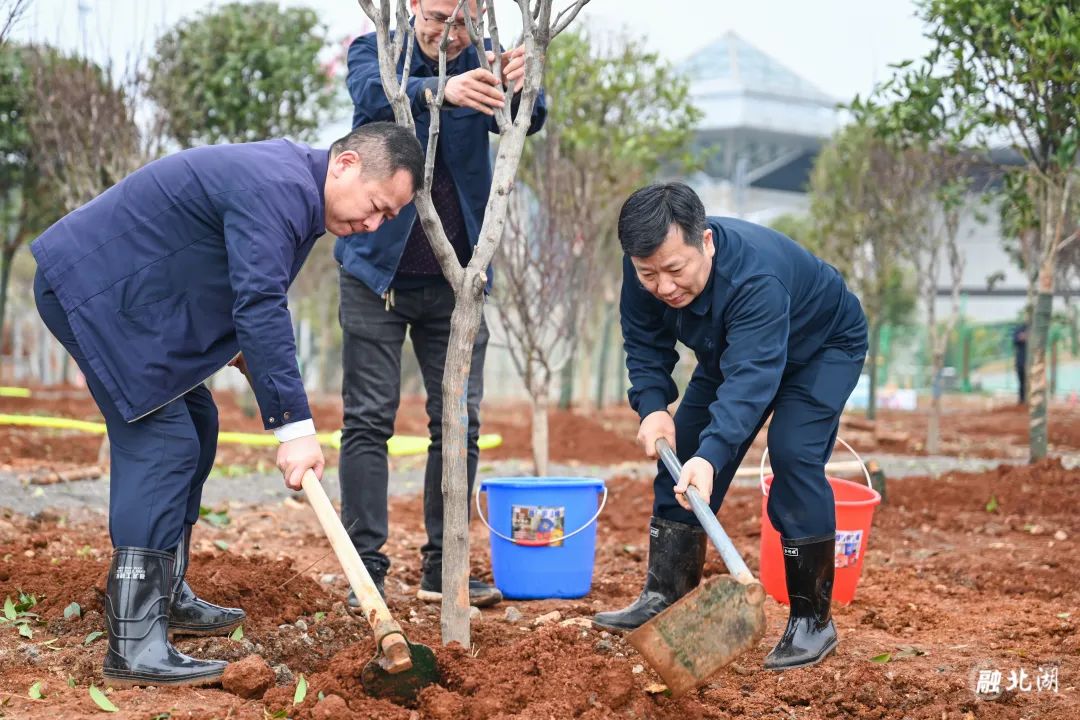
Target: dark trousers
x=158, y=463
x=806, y=415
x=371, y=391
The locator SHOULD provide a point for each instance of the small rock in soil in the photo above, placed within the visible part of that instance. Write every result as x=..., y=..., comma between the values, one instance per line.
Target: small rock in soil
x=328, y=579
x=603, y=646
x=301, y=625
x=512, y=615
x=551, y=617
x=577, y=622
x=282, y=674
x=638, y=669
x=474, y=613
x=249, y=678
x=330, y=707
x=1061, y=536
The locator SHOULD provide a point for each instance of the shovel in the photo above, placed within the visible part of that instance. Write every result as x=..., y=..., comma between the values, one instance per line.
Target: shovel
x=712, y=624
x=400, y=669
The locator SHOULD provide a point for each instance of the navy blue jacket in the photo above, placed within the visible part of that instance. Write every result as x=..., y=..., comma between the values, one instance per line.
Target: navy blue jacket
x=464, y=146
x=769, y=307
x=171, y=272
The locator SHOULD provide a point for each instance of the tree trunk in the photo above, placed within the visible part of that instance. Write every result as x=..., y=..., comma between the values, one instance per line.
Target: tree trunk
x=933, y=424
x=6, y=258
x=605, y=361
x=540, y=447
x=872, y=361
x=464, y=326
x=1036, y=368
x=1053, y=369
x=566, y=381
x=566, y=385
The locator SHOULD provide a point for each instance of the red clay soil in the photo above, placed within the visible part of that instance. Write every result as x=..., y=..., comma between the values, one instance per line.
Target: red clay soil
x=950, y=587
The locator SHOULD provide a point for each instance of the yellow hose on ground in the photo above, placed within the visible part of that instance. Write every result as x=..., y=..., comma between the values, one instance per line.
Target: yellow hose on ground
x=398, y=445
x=14, y=392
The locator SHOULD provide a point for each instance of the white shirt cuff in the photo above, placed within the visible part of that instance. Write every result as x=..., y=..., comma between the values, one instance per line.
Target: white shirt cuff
x=293, y=430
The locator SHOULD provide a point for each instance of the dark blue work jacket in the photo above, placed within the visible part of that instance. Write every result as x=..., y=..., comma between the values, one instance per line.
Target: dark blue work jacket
x=171, y=272
x=769, y=307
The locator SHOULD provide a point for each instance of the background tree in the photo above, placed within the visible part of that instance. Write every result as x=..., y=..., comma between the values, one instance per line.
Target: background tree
x=68, y=134
x=542, y=266
x=617, y=115
x=468, y=283
x=861, y=204
x=243, y=72
x=1009, y=69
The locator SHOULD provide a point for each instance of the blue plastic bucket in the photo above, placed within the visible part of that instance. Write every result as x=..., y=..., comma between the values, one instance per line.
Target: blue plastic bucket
x=543, y=534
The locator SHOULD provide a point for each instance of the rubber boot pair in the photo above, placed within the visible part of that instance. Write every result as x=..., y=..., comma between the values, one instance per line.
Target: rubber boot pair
x=145, y=594
x=676, y=560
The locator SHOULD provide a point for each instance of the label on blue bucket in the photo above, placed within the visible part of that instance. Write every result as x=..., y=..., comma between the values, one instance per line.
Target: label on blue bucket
x=537, y=524
x=848, y=543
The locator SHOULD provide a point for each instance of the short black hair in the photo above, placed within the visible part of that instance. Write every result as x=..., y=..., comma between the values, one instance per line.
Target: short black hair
x=648, y=214
x=385, y=148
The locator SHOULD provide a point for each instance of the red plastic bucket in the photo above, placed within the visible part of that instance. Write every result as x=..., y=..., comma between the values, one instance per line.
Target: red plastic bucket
x=855, y=505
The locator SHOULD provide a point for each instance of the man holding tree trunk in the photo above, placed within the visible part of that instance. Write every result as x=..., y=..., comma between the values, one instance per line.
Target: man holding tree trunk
x=391, y=281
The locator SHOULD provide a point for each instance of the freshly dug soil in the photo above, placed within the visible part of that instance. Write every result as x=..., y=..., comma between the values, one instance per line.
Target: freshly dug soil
x=964, y=572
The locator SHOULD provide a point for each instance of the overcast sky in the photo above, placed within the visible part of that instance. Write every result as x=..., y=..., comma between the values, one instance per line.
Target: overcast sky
x=842, y=46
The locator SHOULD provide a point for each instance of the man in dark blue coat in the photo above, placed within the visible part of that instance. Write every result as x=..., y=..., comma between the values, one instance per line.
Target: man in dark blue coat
x=179, y=269
x=392, y=284
x=775, y=331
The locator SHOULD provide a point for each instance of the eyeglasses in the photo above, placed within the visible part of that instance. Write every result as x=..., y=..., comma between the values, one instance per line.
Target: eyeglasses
x=456, y=26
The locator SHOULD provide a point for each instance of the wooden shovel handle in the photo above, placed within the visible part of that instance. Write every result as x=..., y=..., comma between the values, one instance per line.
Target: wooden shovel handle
x=705, y=516
x=388, y=634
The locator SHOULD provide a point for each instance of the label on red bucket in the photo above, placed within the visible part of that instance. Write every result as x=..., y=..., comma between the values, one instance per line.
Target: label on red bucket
x=848, y=543
x=537, y=524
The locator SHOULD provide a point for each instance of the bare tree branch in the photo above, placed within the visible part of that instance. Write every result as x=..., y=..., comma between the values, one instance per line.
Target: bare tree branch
x=566, y=16
x=11, y=14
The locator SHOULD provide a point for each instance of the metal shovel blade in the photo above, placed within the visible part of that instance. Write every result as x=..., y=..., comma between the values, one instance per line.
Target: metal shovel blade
x=702, y=632
x=400, y=687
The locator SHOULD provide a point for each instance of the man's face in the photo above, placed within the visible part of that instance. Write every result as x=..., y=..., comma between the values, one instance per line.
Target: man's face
x=677, y=273
x=431, y=17
x=357, y=202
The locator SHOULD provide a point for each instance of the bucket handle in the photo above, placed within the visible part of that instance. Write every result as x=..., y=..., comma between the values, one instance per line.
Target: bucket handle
x=536, y=543
x=862, y=465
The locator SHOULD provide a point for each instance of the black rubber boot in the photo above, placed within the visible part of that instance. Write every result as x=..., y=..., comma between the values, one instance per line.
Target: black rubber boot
x=188, y=615
x=137, y=601
x=481, y=594
x=676, y=560
x=810, y=634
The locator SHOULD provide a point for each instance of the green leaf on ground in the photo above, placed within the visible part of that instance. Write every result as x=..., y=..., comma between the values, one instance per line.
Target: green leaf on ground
x=71, y=681
x=238, y=633
x=35, y=691
x=992, y=505
x=221, y=545
x=882, y=658
x=72, y=610
x=25, y=602
x=319, y=616
x=101, y=701
x=25, y=631
x=92, y=637
x=9, y=609
x=301, y=690
x=1064, y=616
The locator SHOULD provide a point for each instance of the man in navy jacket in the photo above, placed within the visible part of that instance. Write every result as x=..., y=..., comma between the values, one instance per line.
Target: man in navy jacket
x=775, y=331
x=179, y=269
x=392, y=284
